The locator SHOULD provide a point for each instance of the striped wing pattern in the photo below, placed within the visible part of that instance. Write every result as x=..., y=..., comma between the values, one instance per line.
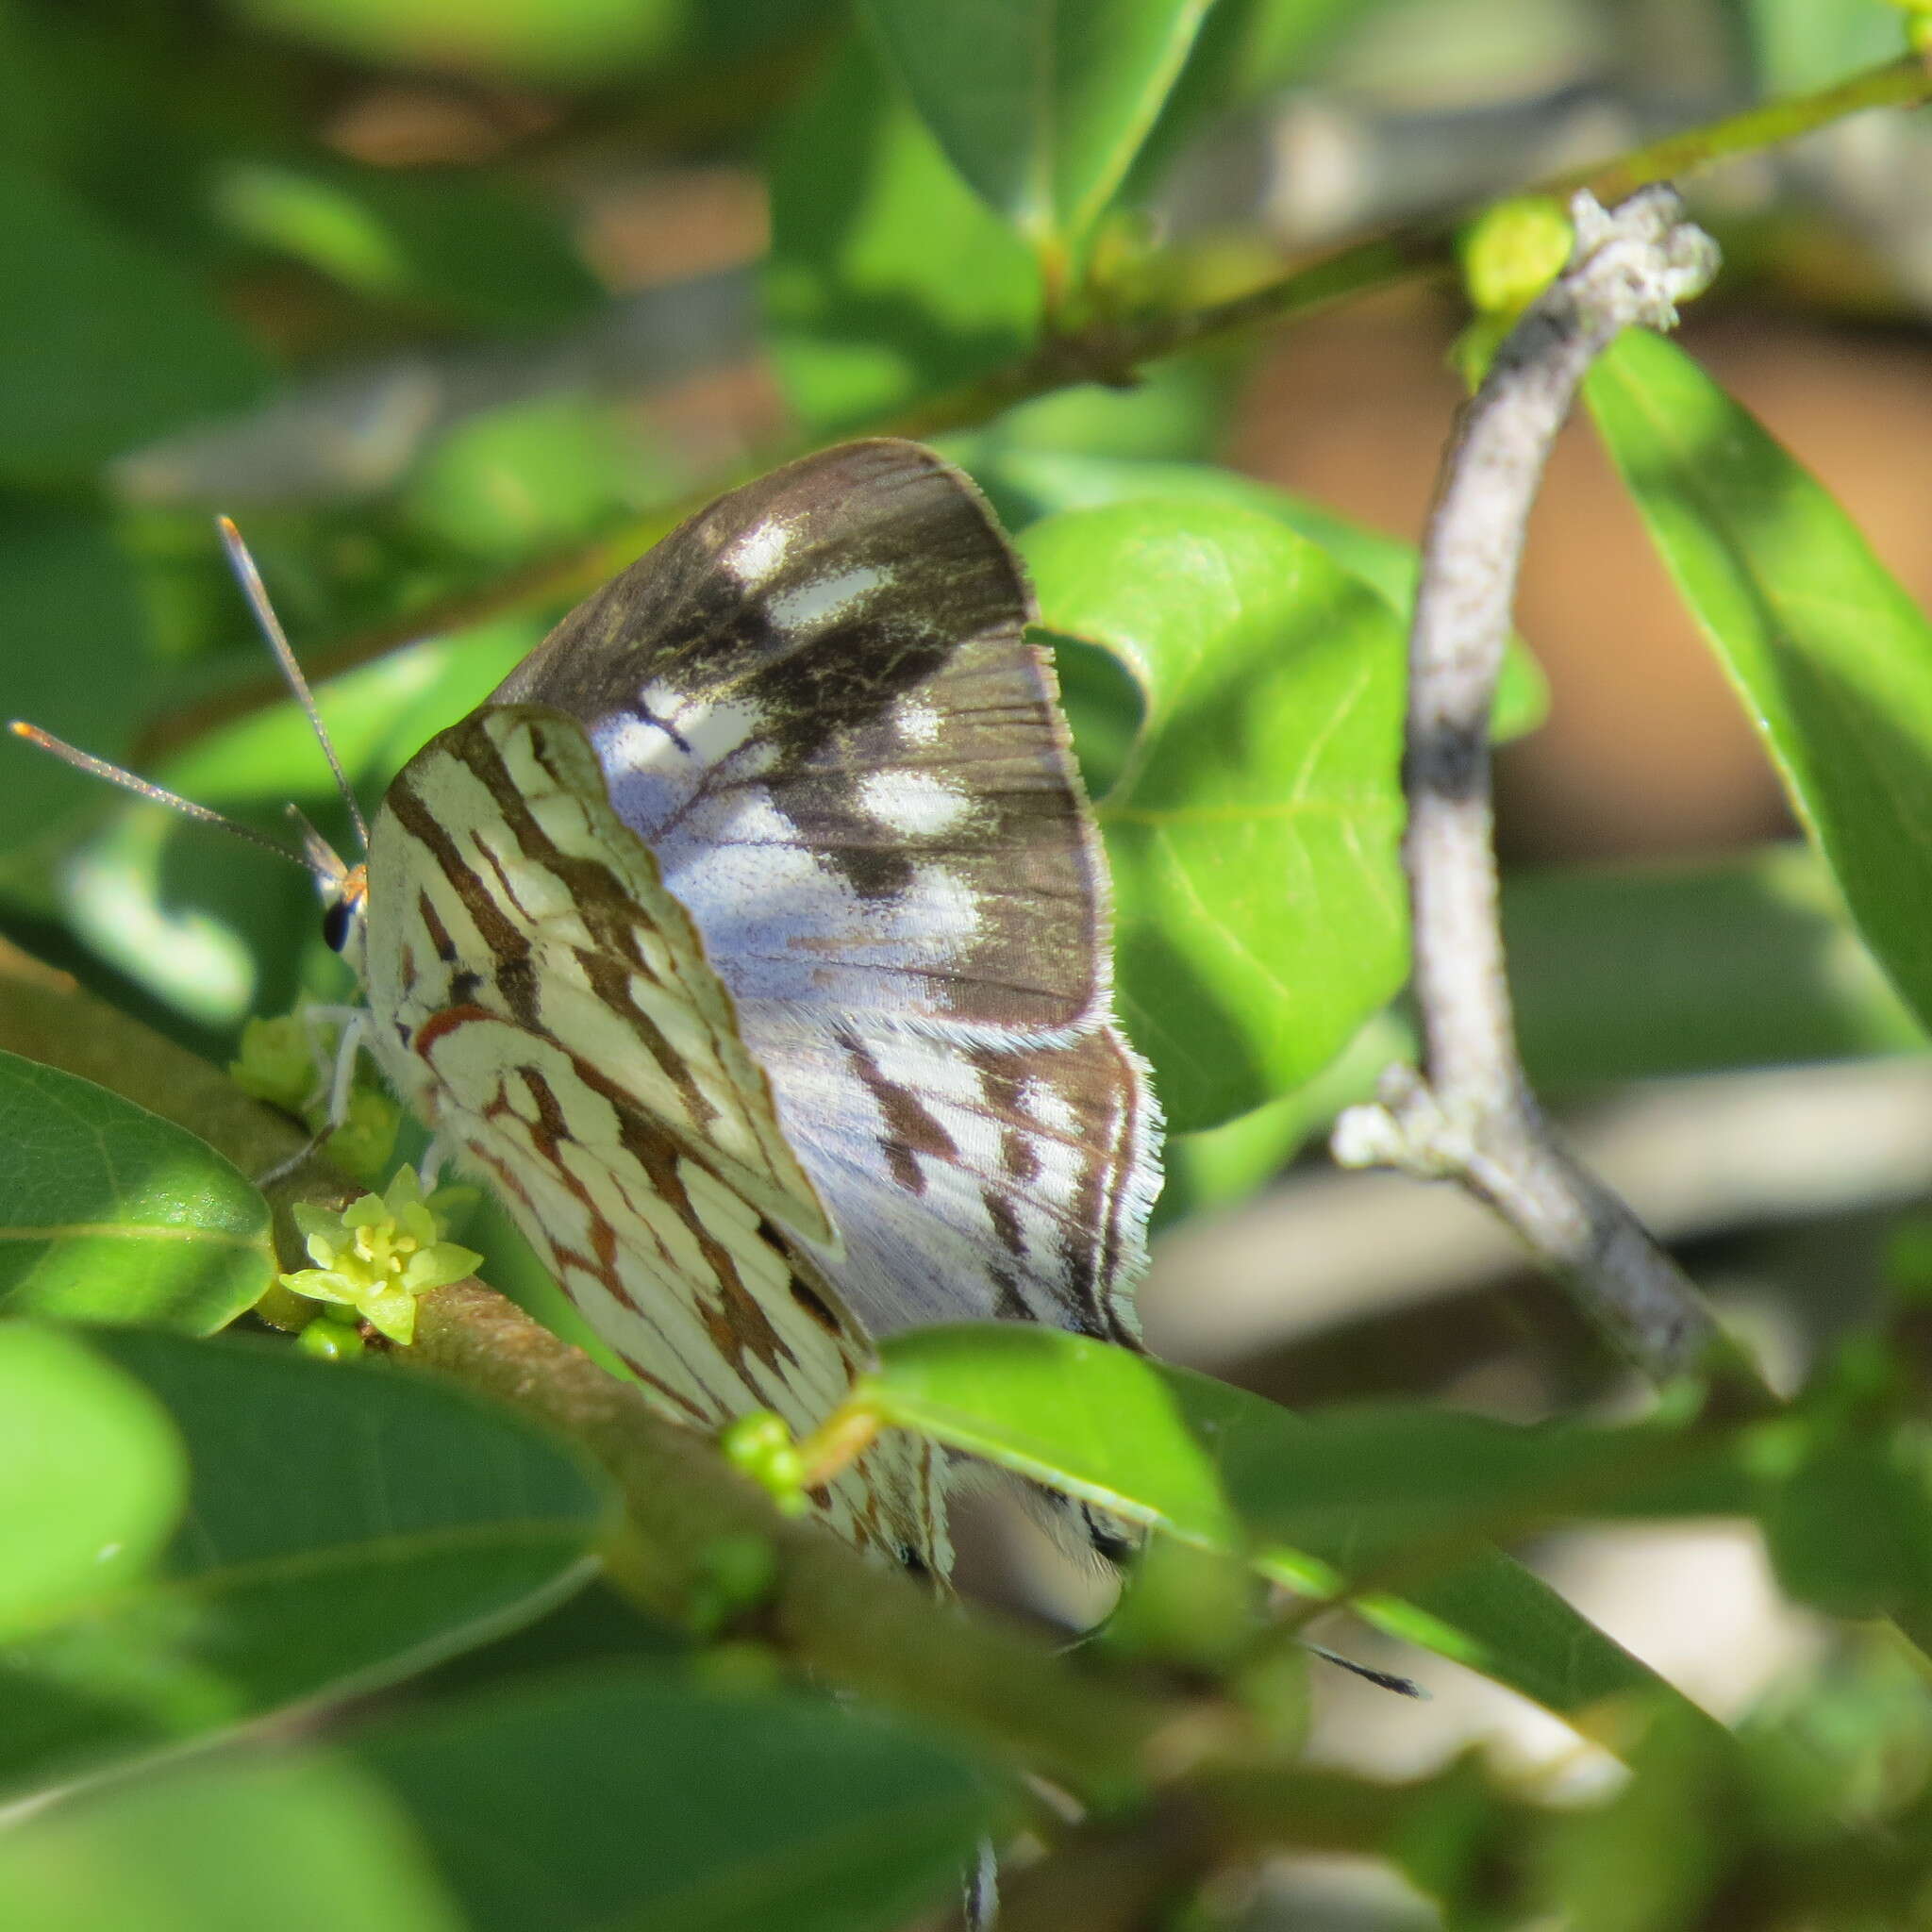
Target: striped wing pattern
x=754, y=939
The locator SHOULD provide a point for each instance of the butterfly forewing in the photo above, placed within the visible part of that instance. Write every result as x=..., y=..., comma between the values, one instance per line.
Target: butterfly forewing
x=816, y=704
x=754, y=940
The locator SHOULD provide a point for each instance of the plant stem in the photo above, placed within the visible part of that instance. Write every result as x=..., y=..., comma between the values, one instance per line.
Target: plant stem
x=1473, y=1118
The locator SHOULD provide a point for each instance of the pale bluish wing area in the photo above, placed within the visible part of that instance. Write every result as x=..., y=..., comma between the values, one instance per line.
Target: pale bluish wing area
x=976, y=1182
x=816, y=704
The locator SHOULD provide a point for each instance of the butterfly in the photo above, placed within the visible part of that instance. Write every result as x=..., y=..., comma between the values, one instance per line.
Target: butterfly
x=752, y=941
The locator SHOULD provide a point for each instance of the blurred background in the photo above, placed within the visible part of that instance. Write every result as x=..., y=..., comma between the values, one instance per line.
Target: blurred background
x=444, y=300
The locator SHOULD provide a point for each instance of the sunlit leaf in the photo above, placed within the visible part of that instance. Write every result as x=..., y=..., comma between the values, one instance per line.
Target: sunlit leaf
x=886, y=278
x=92, y=1475
x=233, y=1844
x=1832, y=658
x=1041, y=105
x=1028, y=483
x=1260, y=903
x=109, y=1213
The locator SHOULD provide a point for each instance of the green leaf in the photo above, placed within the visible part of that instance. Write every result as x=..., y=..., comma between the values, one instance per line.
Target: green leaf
x=346, y=1525
x=1849, y=1527
x=1027, y=483
x=1831, y=657
x=560, y=41
x=109, y=1213
x=1041, y=104
x=639, y=1799
x=1628, y=972
x=1221, y=1165
x=305, y=1844
x=1259, y=904
x=106, y=344
x=885, y=279
x=447, y=242
x=91, y=1475
x=66, y=587
x=212, y=930
x=1315, y=1501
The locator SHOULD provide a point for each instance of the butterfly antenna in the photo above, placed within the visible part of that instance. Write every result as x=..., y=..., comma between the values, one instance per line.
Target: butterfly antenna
x=257, y=594
x=143, y=788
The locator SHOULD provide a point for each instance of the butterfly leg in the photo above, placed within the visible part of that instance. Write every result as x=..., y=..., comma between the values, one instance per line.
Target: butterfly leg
x=337, y=1072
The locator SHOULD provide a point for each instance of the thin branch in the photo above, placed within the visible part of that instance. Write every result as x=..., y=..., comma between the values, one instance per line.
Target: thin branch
x=1472, y=1117
x=1114, y=350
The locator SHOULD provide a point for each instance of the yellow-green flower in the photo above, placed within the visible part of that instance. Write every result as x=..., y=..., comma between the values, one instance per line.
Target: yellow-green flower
x=379, y=1255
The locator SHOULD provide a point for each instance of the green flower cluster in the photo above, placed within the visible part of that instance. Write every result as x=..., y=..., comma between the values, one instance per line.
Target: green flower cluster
x=379, y=1255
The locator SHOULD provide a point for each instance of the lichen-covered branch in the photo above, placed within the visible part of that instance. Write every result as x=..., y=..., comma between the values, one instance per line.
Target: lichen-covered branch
x=1472, y=1117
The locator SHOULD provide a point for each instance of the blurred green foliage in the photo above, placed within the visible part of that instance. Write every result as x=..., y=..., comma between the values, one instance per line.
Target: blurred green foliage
x=451, y=305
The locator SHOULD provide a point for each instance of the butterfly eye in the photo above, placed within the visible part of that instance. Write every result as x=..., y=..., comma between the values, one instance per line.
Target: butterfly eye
x=336, y=920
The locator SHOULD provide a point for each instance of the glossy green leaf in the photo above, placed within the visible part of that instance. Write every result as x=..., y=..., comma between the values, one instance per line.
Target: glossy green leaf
x=886, y=278
x=642, y=1800
x=91, y=1475
x=346, y=1525
x=1831, y=657
x=1027, y=483
x=1258, y=899
x=109, y=1213
x=304, y=1844
x=107, y=345
x=1317, y=1501
x=1041, y=104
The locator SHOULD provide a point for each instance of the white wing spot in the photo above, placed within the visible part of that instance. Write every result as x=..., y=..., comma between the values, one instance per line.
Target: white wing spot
x=758, y=551
x=919, y=721
x=1048, y=1106
x=915, y=804
x=829, y=598
x=711, y=732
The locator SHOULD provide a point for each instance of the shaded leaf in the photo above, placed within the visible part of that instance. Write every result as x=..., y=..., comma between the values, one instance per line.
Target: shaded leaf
x=1832, y=658
x=346, y=1525
x=1041, y=104
x=886, y=278
x=109, y=1213
x=449, y=242
x=1259, y=904
x=106, y=344
x=1627, y=972
x=1849, y=1527
x=1317, y=1501
x=306, y=1845
x=91, y=1475
x=640, y=1799
x=66, y=587
x=211, y=929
